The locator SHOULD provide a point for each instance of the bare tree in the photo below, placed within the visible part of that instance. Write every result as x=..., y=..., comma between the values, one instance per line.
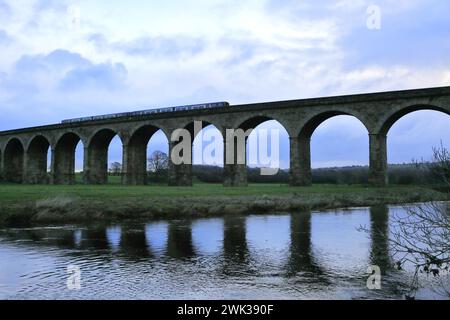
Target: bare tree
x=158, y=163
x=440, y=167
x=115, y=169
x=438, y=170
x=419, y=237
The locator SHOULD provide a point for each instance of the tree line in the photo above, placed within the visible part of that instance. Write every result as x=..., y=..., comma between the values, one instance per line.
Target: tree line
x=414, y=173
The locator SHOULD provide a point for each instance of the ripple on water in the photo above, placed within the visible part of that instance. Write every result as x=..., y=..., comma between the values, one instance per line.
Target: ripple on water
x=298, y=256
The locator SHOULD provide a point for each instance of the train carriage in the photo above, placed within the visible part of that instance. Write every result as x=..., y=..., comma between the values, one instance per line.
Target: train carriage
x=149, y=112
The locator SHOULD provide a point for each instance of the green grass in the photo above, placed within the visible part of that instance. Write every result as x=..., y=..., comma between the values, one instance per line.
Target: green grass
x=25, y=204
x=14, y=193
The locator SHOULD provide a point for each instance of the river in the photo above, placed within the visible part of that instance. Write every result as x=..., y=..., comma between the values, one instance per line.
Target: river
x=307, y=255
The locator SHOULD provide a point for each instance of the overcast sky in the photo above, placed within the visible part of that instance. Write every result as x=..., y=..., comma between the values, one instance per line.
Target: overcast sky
x=63, y=59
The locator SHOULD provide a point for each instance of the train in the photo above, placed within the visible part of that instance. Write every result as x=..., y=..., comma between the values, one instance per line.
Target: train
x=212, y=105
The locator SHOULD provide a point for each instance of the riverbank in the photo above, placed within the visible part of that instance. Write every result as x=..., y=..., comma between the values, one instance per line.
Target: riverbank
x=22, y=204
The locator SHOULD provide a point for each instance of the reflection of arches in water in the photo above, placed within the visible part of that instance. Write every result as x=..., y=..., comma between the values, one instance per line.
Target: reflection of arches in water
x=133, y=242
x=61, y=238
x=27, y=236
x=207, y=236
x=156, y=235
x=179, y=240
x=379, y=233
x=43, y=237
x=301, y=252
x=235, y=239
x=236, y=255
x=95, y=238
x=113, y=235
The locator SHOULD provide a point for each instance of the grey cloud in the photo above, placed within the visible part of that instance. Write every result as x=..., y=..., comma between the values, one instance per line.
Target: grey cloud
x=245, y=47
x=241, y=50
x=419, y=35
x=98, y=40
x=57, y=5
x=46, y=88
x=295, y=10
x=62, y=70
x=58, y=60
x=104, y=76
x=41, y=8
x=161, y=46
x=5, y=9
x=5, y=39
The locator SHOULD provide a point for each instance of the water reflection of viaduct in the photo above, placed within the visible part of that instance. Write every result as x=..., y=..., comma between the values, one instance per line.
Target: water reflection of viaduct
x=24, y=152
x=132, y=243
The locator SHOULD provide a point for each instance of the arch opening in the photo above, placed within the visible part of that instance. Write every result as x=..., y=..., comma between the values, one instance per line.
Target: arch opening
x=37, y=160
x=340, y=151
x=181, y=168
x=411, y=140
x=158, y=158
x=114, y=161
x=310, y=127
x=321, y=129
x=144, y=163
x=260, y=151
x=96, y=168
x=66, y=153
x=208, y=155
x=389, y=122
x=268, y=152
x=14, y=161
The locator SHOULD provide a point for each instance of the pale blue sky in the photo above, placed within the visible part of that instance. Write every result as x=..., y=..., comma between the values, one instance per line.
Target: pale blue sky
x=63, y=59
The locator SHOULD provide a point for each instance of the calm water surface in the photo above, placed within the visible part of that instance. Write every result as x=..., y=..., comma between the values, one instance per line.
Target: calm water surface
x=308, y=255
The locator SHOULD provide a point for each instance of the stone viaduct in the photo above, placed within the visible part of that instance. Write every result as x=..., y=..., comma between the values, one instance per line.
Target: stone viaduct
x=24, y=152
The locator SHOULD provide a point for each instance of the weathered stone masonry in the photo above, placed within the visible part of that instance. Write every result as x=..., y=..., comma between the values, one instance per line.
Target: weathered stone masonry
x=23, y=152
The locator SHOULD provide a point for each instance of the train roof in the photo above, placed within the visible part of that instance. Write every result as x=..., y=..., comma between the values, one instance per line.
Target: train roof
x=154, y=110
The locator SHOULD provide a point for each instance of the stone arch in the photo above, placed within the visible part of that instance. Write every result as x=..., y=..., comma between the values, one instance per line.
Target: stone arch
x=378, y=140
x=135, y=154
x=190, y=126
x=63, y=166
x=96, y=157
x=313, y=122
x=208, y=149
x=181, y=174
x=14, y=156
x=392, y=118
x=253, y=121
x=301, y=174
x=235, y=169
x=37, y=164
x=147, y=128
x=104, y=135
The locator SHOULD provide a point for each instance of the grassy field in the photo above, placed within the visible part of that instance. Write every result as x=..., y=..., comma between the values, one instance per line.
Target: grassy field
x=16, y=193
x=50, y=203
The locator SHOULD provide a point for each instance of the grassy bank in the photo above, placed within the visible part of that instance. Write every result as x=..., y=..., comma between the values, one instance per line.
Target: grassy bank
x=78, y=203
